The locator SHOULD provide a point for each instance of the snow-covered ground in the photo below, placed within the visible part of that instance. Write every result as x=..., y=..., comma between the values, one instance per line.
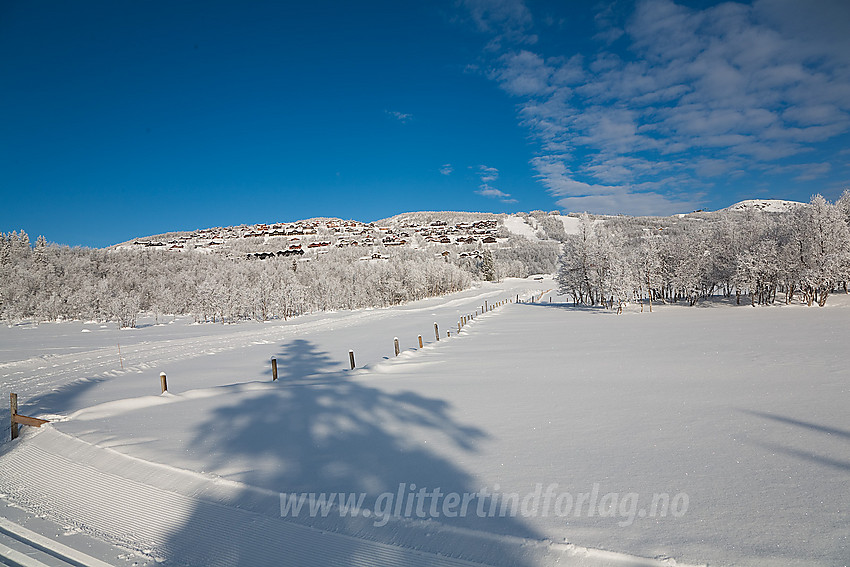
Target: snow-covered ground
x=732, y=419
x=520, y=226
x=571, y=224
x=766, y=205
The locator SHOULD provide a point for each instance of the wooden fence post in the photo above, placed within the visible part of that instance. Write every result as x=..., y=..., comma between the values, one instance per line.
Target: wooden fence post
x=458, y=326
x=486, y=306
x=395, y=341
x=274, y=369
x=351, y=358
x=437, y=332
x=420, y=341
x=162, y=382
x=20, y=419
x=13, y=404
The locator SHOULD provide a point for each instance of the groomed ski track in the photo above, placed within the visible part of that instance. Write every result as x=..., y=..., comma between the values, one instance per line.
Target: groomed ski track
x=56, y=475
x=149, y=503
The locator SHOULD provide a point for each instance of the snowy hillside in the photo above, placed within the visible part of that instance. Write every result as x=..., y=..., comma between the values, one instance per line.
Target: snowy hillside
x=680, y=437
x=412, y=230
x=766, y=205
x=520, y=226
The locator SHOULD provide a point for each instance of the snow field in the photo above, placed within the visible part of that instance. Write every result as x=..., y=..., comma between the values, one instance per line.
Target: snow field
x=52, y=382
x=743, y=410
x=518, y=225
x=571, y=224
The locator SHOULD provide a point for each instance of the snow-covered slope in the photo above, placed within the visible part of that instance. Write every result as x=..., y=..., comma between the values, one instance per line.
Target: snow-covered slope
x=570, y=223
x=518, y=225
x=766, y=205
x=406, y=229
x=741, y=424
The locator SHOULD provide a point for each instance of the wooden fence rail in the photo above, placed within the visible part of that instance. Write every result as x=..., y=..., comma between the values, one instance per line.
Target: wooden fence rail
x=21, y=419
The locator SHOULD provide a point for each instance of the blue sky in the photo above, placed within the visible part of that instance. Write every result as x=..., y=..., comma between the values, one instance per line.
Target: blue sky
x=123, y=119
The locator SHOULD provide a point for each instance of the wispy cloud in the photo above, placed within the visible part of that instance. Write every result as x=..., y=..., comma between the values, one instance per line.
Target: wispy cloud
x=488, y=191
x=506, y=21
x=803, y=172
x=697, y=96
x=488, y=175
x=400, y=116
x=446, y=169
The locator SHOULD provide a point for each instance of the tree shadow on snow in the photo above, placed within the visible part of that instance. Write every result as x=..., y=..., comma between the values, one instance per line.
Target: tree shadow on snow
x=569, y=306
x=299, y=359
x=803, y=454
x=332, y=432
x=53, y=402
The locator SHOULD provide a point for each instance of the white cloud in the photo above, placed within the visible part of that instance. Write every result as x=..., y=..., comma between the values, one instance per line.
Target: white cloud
x=525, y=73
x=487, y=175
x=813, y=171
x=446, y=169
x=634, y=199
x=400, y=116
x=504, y=20
x=704, y=93
x=630, y=203
x=803, y=171
x=486, y=190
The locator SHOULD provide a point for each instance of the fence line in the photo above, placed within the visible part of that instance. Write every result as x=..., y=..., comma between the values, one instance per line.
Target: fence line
x=16, y=419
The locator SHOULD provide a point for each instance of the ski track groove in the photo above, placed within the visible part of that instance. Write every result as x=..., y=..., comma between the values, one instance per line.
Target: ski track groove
x=90, y=365
x=180, y=528
x=22, y=547
x=137, y=514
x=27, y=379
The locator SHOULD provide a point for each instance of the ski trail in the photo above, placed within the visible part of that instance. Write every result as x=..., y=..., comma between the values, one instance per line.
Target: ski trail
x=24, y=547
x=145, y=517
x=38, y=375
x=186, y=517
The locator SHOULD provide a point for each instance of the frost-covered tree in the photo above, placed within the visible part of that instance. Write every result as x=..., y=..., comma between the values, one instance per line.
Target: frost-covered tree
x=650, y=273
x=823, y=239
x=622, y=279
x=757, y=271
x=610, y=260
x=124, y=307
x=843, y=205
x=581, y=264
x=488, y=267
